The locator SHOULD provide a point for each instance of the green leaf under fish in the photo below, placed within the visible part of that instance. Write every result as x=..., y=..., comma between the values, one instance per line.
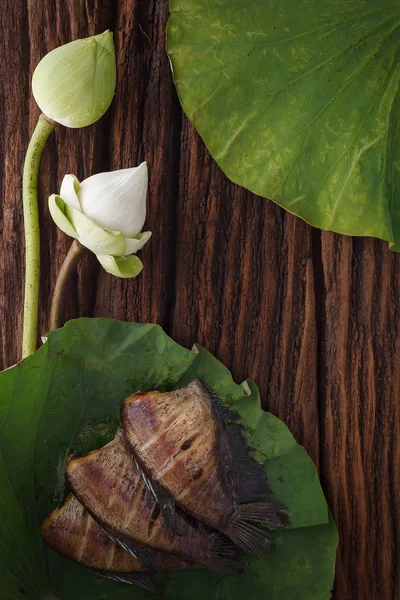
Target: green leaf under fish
x=66, y=397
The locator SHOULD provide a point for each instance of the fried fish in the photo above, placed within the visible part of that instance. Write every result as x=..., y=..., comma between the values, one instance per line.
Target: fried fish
x=72, y=532
x=191, y=446
x=110, y=486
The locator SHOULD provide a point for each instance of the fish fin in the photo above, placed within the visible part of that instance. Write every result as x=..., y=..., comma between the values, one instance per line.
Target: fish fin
x=140, y=579
x=244, y=475
x=164, y=501
x=142, y=554
x=249, y=538
x=265, y=513
x=223, y=555
x=166, y=504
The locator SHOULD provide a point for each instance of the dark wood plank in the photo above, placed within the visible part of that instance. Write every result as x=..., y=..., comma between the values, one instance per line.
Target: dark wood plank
x=360, y=411
x=312, y=317
x=245, y=288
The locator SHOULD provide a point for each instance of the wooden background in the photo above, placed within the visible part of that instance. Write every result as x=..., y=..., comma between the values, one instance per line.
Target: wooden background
x=312, y=317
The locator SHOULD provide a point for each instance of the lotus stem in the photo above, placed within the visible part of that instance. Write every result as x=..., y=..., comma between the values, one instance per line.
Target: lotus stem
x=32, y=233
x=67, y=271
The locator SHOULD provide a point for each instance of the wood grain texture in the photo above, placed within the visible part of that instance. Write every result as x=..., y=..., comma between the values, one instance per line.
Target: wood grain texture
x=312, y=317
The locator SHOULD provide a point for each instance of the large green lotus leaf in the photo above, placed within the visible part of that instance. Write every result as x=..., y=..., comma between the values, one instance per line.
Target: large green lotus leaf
x=299, y=102
x=66, y=398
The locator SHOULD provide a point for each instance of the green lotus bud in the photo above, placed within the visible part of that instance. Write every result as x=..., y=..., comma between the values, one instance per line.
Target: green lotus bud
x=106, y=213
x=75, y=83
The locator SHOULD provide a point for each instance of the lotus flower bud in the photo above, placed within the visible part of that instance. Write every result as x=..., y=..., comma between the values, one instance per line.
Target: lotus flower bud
x=106, y=213
x=75, y=83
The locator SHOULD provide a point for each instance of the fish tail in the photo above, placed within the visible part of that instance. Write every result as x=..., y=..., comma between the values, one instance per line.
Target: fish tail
x=265, y=513
x=247, y=536
x=223, y=555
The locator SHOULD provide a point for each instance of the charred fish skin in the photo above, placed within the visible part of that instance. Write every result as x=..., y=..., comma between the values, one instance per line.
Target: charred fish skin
x=191, y=445
x=110, y=486
x=71, y=532
x=74, y=534
x=176, y=441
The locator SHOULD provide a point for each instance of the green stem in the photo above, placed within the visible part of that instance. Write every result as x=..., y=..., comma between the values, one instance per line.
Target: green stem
x=68, y=269
x=32, y=233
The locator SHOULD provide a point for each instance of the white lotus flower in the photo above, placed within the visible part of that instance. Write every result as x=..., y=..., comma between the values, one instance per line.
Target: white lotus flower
x=106, y=213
